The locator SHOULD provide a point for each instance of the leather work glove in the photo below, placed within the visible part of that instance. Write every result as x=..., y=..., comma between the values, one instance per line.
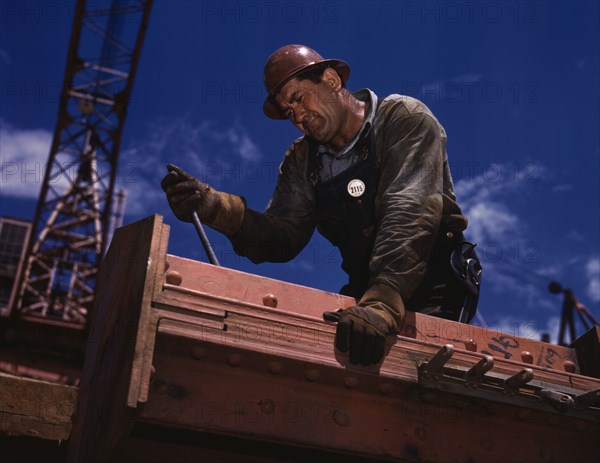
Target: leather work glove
x=222, y=211
x=363, y=328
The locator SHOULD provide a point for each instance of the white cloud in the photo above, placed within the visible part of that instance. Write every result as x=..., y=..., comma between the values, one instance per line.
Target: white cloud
x=302, y=265
x=562, y=187
x=485, y=200
x=242, y=144
x=574, y=235
x=23, y=157
x=527, y=328
x=213, y=154
x=500, y=232
x=491, y=221
x=592, y=270
x=549, y=271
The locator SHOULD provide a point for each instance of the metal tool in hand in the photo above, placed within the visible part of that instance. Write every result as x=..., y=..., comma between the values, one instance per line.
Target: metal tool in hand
x=202, y=234
x=212, y=258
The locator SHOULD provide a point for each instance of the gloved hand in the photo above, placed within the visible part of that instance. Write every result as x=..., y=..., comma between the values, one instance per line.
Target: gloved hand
x=222, y=211
x=363, y=328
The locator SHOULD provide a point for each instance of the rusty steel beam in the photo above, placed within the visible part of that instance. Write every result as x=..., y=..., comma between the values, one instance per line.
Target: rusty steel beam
x=185, y=345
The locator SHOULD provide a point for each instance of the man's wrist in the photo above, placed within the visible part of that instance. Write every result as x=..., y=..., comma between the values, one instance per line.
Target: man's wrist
x=387, y=302
x=230, y=214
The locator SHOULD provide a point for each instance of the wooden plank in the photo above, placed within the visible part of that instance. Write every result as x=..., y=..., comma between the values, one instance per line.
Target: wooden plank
x=116, y=349
x=29, y=407
x=144, y=348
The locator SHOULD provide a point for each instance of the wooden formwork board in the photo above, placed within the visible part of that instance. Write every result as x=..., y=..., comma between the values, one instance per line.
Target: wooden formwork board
x=29, y=407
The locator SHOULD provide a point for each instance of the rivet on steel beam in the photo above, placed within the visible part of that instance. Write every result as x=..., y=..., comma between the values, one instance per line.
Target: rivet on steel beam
x=476, y=373
x=198, y=352
x=312, y=374
x=486, y=444
x=470, y=345
x=160, y=386
x=270, y=300
x=351, y=382
x=275, y=367
x=569, y=366
x=558, y=399
x=266, y=406
x=341, y=418
x=385, y=388
x=435, y=365
x=234, y=360
x=513, y=383
x=526, y=357
x=173, y=277
x=421, y=432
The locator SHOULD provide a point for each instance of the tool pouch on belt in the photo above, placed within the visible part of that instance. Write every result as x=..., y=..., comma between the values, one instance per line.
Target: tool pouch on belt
x=467, y=271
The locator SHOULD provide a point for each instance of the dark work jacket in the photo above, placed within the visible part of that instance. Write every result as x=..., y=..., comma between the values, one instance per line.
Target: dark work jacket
x=345, y=215
x=413, y=203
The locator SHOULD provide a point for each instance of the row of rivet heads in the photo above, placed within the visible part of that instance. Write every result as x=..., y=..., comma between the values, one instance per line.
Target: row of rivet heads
x=276, y=367
x=173, y=277
x=526, y=357
x=340, y=417
x=270, y=300
x=160, y=386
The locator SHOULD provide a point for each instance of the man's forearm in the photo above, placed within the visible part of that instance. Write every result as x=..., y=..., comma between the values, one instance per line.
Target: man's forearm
x=267, y=238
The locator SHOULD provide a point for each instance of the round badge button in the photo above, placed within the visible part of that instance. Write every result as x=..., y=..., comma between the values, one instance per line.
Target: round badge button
x=356, y=188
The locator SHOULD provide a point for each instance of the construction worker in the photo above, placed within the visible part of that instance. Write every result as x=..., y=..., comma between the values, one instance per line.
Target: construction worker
x=371, y=174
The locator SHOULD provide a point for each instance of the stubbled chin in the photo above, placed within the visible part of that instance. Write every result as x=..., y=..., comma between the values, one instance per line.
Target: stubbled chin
x=315, y=133
x=314, y=137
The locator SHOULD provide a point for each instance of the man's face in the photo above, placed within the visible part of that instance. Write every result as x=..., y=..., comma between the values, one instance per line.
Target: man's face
x=313, y=108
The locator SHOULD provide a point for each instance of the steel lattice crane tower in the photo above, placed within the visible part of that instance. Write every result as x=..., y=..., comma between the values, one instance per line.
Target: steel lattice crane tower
x=76, y=204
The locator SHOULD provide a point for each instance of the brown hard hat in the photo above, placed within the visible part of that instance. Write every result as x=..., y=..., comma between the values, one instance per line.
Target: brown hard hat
x=288, y=62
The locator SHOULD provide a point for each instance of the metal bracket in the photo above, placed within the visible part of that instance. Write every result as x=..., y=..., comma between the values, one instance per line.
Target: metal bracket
x=521, y=388
x=475, y=375
x=557, y=399
x=591, y=398
x=435, y=366
x=513, y=383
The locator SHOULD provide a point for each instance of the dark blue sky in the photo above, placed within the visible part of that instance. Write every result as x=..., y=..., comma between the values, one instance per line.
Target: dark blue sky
x=515, y=84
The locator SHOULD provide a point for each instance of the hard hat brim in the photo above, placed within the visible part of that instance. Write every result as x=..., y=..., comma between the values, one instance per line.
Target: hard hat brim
x=272, y=111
